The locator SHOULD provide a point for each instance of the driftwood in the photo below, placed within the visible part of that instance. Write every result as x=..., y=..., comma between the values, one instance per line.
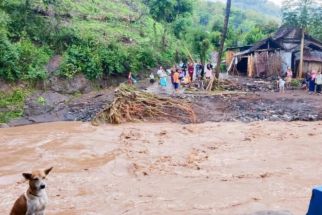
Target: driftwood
x=131, y=105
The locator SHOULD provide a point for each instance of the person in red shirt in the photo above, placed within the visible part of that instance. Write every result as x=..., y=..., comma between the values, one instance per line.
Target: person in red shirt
x=191, y=69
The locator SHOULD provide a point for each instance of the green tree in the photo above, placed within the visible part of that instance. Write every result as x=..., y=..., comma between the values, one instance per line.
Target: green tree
x=201, y=43
x=223, y=37
x=168, y=11
x=268, y=28
x=254, y=36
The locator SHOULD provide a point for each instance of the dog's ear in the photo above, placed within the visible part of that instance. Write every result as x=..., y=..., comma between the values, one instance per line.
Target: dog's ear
x=27, y=176
x=47, y=171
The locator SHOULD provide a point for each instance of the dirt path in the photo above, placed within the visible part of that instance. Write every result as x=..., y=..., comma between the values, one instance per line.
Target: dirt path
x=213, y=168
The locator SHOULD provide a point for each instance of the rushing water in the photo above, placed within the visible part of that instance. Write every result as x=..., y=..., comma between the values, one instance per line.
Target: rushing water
x=226, y=168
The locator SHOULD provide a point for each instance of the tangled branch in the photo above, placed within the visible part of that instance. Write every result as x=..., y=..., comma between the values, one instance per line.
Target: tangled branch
x=131, y=105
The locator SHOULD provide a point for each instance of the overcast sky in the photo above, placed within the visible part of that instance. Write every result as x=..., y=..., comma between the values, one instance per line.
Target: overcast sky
x=278, y=2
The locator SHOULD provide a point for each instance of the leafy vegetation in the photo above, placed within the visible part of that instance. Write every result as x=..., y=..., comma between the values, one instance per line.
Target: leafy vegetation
x=304, y=14
x=104, y=38
x=97, y=38
x=11, y=105
x=246, y=26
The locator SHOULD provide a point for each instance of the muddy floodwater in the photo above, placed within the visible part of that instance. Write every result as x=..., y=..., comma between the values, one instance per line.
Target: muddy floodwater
x=165, y=168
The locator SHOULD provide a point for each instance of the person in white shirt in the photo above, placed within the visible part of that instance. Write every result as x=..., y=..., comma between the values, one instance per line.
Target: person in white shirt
x=318, y=82
x=152, y=78
x=163, y=77
x=281, y=85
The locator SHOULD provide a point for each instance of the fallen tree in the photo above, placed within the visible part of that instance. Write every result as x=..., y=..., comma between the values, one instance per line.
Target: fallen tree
x=131, y=104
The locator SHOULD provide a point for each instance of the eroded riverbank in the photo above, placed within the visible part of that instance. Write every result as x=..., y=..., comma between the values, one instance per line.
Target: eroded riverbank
x=164, y=168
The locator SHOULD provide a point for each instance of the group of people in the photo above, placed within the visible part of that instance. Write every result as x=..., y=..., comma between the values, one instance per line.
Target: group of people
x=183, y=75
x=312, y=81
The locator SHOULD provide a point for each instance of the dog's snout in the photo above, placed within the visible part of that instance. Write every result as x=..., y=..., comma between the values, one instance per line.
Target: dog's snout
x=42, y=186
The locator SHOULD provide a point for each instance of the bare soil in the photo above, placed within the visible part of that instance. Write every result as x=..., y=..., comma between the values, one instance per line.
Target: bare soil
x=243, y=100
x=294, y=105
x=222, y=168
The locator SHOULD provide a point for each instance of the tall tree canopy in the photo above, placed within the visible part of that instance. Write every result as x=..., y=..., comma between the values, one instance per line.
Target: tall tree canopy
x=169, y=10
x=305, y=14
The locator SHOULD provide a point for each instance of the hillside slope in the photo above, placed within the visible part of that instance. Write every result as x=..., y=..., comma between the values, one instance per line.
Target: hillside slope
x=263, y=7
x=98, y=37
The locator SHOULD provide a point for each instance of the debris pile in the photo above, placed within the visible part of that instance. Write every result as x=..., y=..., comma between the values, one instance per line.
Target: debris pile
x=245, y=85
x=131, y=104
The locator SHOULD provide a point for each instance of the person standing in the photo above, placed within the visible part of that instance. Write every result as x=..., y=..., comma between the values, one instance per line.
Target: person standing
x=312, y=82
x=281, y=85
x=130, y=78
x=208, y=72
x=202, y=71
x=160, y=71
x=307, y=80
x=289, y=76
x=191, y=70
x=152, y=78
x=173, y=70
x=176, y=80
x=163, y=77
x=318, y=82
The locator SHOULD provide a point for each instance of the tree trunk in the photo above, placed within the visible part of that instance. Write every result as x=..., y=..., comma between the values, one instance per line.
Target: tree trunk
x=300, y=75
x=164, y=38
x=155, y=33
x=223, y=38
x=222, y=43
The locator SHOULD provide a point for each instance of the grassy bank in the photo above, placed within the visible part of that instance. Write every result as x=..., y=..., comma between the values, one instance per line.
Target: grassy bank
x=11, y=104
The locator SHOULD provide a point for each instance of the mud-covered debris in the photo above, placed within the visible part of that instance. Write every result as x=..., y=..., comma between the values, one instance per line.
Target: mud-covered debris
x=131, y=104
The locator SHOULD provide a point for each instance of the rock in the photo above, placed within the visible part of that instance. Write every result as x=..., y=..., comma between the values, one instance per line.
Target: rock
x=49, y=117
x=4, y=87
x=77, y=84
x=41, y=103
x=4, y=125
x=20, y=122
x=54, y=63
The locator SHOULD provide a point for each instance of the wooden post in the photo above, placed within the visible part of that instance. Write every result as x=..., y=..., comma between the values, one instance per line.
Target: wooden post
x=302, y=55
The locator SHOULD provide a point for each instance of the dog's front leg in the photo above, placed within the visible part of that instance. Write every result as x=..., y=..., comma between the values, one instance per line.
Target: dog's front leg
x=30, y=213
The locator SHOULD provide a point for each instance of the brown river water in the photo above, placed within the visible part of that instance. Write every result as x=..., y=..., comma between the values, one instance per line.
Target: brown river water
x=165, y=168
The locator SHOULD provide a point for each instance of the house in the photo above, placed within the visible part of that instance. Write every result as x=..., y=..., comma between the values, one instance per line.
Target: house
x=272, y=56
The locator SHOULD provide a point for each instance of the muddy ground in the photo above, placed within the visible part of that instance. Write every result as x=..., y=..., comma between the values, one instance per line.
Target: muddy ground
x=262, y=106
x=227, y=168
x=252, y=102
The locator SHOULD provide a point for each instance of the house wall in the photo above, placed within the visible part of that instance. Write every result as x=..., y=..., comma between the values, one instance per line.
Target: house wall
x=290, y=45
x=287, y=60
x=309, y=66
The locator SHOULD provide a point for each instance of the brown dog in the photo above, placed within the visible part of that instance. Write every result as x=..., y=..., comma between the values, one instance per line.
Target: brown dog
x=34, y=201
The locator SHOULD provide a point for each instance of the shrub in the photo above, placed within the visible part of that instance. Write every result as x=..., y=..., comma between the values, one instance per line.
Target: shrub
x=8, y=59
x=41, y=100
x=167, y=58
x=81, y=59
x=64, y=38
x=96, y=60
x=296, y=83
x=142, y=58
x=114, y=59
x=22, y=60
x=12, y=105
x=32, y=61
